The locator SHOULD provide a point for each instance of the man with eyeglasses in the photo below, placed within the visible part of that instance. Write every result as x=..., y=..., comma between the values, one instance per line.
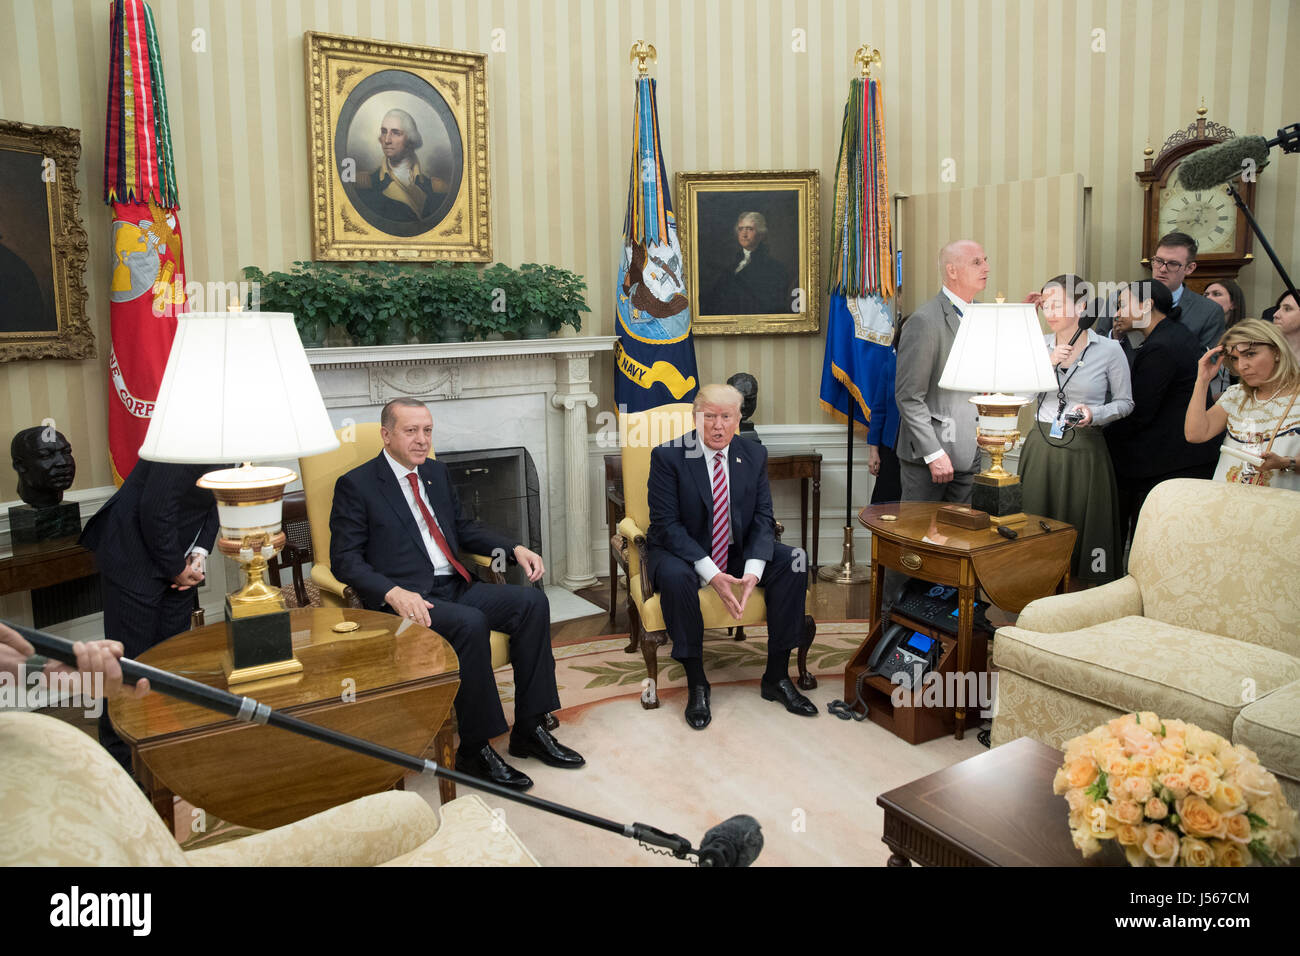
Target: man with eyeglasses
x=1172, y=262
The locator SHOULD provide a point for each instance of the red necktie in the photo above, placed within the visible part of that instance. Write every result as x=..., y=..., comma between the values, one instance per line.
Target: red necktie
x=431, y=523
x=721, y=514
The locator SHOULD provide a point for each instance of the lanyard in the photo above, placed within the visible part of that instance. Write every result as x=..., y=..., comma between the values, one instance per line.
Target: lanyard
x=1060, y=385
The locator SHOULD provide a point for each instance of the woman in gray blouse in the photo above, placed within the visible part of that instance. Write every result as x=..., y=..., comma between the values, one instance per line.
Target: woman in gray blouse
x=1065, y=468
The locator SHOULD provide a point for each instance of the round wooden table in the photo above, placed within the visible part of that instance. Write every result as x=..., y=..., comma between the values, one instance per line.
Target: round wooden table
x=390, y=681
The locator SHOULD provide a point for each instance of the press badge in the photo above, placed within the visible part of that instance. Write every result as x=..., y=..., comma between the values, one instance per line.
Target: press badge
x=1058, y=428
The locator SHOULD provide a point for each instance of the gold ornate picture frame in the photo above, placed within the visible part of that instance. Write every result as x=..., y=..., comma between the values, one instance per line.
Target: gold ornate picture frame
x=399, y=151
x=43, y=246
x=751, y=245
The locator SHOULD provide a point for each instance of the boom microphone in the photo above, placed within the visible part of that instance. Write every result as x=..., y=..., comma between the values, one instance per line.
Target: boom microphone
x=1085, y=323
x=1217, y=164
x=734, y=842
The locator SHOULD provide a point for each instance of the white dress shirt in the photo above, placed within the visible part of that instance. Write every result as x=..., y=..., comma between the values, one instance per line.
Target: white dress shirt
x=441, y=565
x=962, y=305
x=705, y=567
x=745, y=261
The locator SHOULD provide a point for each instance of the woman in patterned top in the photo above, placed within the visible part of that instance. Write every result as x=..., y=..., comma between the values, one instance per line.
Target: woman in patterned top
x=1261, y=413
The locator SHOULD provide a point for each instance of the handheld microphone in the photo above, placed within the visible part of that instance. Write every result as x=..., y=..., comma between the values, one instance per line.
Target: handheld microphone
x=1085, y=323
x=1217, y=164
x=736, y=841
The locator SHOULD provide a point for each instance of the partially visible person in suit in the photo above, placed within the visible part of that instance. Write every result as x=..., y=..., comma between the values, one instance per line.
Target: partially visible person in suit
x=1228, y=296
x=1148, y=447
x=396, y=528
x=151, y=541
x=711, y=524
x=1285, y=314
x=753, y=282
x=1065, y=469
x=882, y=433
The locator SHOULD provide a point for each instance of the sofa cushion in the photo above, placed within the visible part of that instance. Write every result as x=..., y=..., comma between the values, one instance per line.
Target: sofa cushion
x=470, y=835
x=1138, y=663
x=1271, y=727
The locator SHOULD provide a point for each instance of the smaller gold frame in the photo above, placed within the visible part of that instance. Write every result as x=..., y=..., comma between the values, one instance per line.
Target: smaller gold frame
x=783, y=292
x=42, y=196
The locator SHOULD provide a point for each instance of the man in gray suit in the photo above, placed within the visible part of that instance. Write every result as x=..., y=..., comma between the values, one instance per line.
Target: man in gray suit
x=1172, y=262
x=937, y=453
x=936, y=433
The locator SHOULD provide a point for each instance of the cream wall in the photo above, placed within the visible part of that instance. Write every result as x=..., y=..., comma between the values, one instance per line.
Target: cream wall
x=1009, y=89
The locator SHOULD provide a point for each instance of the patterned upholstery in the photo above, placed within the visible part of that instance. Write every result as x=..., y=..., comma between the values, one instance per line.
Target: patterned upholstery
x=64, y=801
x=1204, y=624
x=357, y=445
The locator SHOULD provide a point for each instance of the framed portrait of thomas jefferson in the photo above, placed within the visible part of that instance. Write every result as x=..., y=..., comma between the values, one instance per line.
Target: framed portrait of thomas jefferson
x=750, y=241
x=399, y=151
x=43, y=247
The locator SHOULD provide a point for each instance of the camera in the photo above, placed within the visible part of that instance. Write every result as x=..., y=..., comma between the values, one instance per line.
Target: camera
x=1073, y=418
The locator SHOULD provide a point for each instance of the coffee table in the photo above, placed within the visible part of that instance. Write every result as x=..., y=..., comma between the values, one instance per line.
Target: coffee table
x=388, y=681
x=996, y=809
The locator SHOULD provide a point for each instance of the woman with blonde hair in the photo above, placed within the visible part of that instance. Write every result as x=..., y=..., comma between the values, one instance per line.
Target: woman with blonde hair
x=1261, y=412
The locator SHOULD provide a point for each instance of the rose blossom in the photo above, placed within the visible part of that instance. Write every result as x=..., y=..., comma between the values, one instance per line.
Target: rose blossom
x=1127, y=811
x=1128, y=835
x=1201, y=782
x=1081, y=772
x=1196, y=852
x=1228, y=798
x=1161, y=845
x=1254, y=780
x=1138, y=788
x=1227, y=853
x=1156, y=809
x=1199, y=819
x=1085, y=842
x=1076, y=800
x=1139, y=741
x=1176, y=784
x=1238, y=827
x=1201, y=741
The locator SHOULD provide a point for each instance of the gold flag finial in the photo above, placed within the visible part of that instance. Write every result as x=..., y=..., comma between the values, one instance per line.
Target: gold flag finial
x=642, y=51
x=1201, y=110
x=866, y=57
x=1001, y=298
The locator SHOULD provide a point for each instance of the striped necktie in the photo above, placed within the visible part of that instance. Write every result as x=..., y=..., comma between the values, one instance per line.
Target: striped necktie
x=721, y=513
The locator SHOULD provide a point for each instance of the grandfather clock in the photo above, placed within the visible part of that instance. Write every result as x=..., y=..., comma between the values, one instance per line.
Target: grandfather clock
x=1207, y=215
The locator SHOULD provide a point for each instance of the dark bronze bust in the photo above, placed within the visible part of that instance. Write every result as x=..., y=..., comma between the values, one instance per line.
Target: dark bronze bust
x=43, y=459
x=747, y=385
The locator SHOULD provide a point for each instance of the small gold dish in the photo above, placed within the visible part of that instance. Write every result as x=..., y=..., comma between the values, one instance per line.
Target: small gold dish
x=343, y=627
x=889, y=517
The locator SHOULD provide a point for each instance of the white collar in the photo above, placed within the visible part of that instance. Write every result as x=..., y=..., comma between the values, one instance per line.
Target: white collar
x=400, y=470
x=955, y=299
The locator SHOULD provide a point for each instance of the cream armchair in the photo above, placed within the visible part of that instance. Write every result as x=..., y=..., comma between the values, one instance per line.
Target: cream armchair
x=644, y=432
x=1204, y=628
x=64, y=801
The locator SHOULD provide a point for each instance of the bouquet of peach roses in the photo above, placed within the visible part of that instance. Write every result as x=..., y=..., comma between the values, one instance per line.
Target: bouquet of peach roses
x=1173, y=794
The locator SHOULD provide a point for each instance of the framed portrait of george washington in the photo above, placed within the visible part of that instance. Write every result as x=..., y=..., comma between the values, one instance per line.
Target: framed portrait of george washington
x=43, y=246
x=399, y=151
x=751, y=245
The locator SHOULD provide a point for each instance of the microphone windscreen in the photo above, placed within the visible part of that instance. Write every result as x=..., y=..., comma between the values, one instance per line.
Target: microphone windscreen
x=735, y=841
x=1214, y=165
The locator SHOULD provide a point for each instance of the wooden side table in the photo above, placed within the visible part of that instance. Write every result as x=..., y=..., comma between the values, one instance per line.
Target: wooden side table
x=390, y=682
x=906, y=537
x=28, y=566
x=806, y=467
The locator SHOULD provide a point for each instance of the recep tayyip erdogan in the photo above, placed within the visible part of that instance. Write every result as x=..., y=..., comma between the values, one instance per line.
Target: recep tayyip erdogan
x=395, y=530
x=711, y=523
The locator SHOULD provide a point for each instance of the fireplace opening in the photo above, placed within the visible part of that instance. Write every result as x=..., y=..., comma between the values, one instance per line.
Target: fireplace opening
x=499, y=487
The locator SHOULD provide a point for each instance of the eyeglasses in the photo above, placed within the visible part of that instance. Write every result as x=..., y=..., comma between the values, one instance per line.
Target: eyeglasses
x=1172, y=265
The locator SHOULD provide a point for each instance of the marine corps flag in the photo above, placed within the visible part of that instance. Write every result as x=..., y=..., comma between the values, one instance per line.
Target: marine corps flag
x=148, y=279
x=860, y=327
x=655, y=356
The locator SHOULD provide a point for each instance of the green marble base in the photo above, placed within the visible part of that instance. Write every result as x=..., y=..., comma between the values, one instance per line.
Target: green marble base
x=28, y=525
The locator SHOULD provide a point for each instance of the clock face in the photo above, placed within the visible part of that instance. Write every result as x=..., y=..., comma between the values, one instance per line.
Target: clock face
x=1207, y=215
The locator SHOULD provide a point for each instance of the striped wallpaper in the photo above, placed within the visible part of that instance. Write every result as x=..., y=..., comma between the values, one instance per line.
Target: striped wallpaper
x=1007, y=89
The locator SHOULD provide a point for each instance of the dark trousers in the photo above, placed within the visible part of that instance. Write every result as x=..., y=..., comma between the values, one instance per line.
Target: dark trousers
x=784, y=591
x=464, y=614
x=889, y=483
x=139, y=621
x=1131, y=494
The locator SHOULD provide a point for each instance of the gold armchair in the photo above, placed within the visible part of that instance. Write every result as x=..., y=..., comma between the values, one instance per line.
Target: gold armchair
x=644, y=431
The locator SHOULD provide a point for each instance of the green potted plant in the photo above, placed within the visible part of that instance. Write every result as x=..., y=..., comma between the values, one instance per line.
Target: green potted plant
x=550, y=298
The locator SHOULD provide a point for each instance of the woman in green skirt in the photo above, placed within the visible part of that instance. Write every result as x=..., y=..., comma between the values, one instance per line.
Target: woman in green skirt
x=1065, y=468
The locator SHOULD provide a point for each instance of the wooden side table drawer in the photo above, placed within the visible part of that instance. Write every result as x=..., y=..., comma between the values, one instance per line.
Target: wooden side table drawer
x=920, y=563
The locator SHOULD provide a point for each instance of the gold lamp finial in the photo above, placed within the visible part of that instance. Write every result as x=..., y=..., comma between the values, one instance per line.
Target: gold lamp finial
x=866, y=57
x=1000, y=298
x=1148, y=151
x=642, y=51
x=1201, y=110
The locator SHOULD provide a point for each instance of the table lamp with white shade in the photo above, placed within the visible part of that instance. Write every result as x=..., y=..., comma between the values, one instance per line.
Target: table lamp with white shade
x=999, y=350
x=238, y=388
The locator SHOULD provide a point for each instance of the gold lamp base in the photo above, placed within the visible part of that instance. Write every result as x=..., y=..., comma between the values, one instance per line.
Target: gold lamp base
x=846, y=572
x=236, y=676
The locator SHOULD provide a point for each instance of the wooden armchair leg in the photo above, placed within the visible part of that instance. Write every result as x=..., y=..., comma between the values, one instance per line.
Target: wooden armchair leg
x=740, y=633
x=633, y=628
x=650, y=652
x=806, y=680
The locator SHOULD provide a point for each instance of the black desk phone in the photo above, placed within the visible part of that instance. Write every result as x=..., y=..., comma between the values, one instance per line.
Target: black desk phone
x=936, y=605
x=903, y=656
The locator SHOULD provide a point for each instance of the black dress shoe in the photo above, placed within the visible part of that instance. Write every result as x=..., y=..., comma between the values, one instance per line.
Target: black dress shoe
x=697, y=706
x=784, y=691
x=486, y=764
x=539, y=743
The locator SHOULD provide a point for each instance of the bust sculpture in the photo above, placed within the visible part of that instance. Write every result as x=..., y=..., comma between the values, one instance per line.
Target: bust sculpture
x=747, y=385
x=42, y=457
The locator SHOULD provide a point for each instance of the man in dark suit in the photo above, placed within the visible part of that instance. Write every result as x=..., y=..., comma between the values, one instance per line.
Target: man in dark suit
x=753, y=282
x=711, y=524
x=395, y=531
x=151, y=541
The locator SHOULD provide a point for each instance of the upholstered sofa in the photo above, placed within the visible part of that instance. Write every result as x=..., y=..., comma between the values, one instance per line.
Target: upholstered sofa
x=64, y=801
x=1205, y=628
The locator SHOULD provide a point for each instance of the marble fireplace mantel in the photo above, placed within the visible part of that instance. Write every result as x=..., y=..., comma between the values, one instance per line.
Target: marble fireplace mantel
x=529, y=392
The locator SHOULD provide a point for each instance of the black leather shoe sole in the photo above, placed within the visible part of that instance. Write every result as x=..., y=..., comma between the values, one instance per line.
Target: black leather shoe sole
x=797, y=705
